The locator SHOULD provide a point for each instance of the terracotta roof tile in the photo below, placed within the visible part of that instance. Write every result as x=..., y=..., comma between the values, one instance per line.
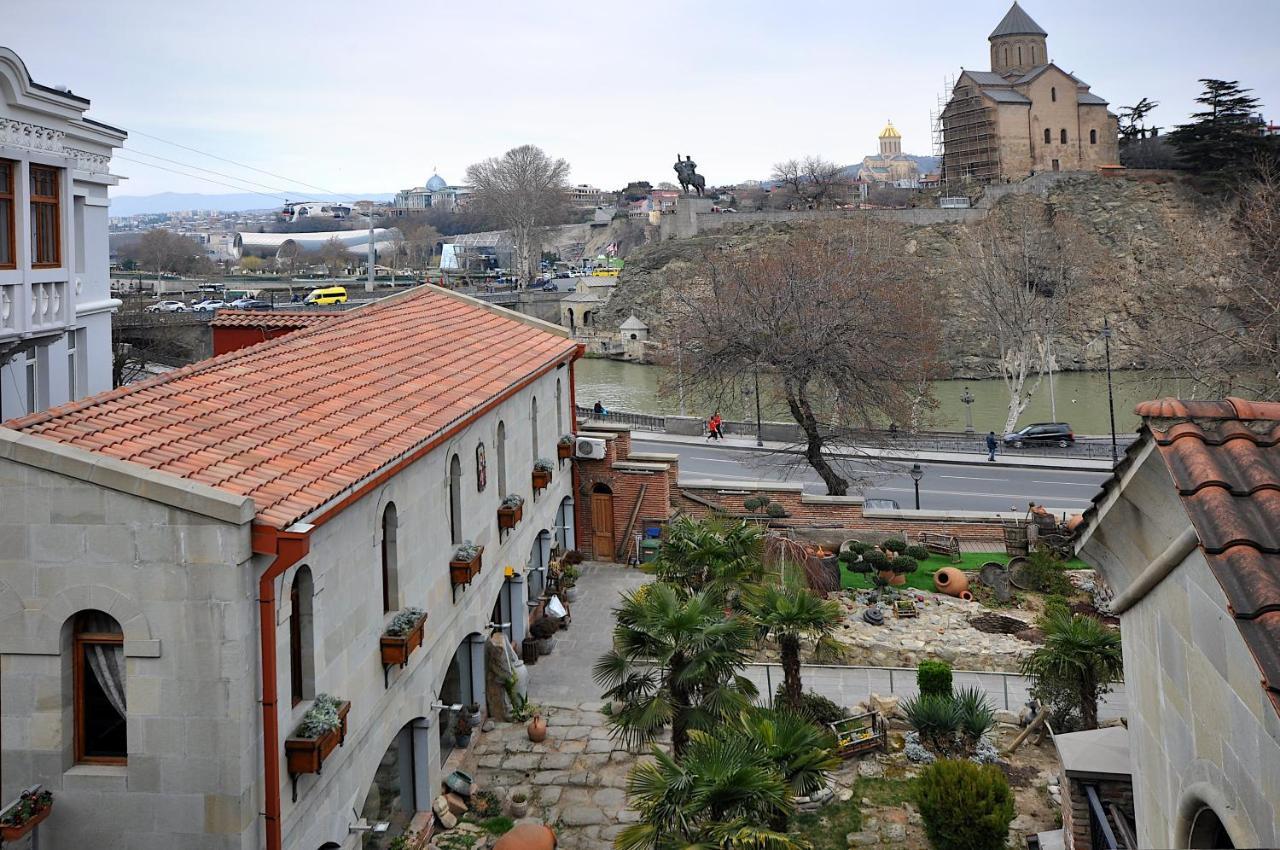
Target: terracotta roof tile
x=270, y=319
x=1224, y=459
x=298, y=421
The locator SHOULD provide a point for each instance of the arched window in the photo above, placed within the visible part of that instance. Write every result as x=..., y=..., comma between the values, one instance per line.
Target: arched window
x=455, y=499
x=1048, y=136
x=302, y=673
x=1063, y=135
x=1207, y=830
x=390, y=559
x=1093, y=137
x=1053, y=93
x=559, y=411
x=533, y=425
x=99, y=683
x=1006, y=56
x=1019, y=54
x=1033, y=54
x=501, y=446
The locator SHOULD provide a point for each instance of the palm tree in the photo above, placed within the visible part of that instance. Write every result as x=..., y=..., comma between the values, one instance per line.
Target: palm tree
x=717, y=798
x=716, y=555
x=802, y=752
x=792, y=614
x=675, y=660
x=1083, y=654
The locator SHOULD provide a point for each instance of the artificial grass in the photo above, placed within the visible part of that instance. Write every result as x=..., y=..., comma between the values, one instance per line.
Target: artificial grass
x=922, y=579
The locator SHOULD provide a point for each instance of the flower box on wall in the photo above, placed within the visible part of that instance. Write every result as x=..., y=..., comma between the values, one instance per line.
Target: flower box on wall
x=564, y=448
x=541, y=475
x=306, y=754
x=27, y=812
x=397, y=643
x=465, y=565
x=510, y=512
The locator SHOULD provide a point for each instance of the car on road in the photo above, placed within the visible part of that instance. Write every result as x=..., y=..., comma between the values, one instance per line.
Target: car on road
x=880, y=505
x=165, y=307
x=240, y=302
x=252, y=304
x=1040, y=434
x=208, y=304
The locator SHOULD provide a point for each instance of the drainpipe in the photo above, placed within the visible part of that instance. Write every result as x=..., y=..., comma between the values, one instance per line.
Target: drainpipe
x=288, y=547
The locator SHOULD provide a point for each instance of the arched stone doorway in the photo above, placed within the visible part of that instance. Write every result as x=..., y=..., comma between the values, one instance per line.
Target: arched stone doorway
x=1208, y=831
x=400, y=786
x=463, y=685
x=602, y=545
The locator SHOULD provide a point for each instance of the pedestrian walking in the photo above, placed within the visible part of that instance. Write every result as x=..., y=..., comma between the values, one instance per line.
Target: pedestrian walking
x=713, y=427
x=991, y=446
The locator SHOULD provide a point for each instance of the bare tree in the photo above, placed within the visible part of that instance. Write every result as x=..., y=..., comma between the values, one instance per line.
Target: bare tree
x=824, y=180
x=840, y=315
x=524, y=190
x=1024, y=270
x=335, y=255
x=162, y=251
x=790, y=173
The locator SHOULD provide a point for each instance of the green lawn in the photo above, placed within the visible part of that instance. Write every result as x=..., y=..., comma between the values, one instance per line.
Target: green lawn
x=826, y=828
x=922, y=579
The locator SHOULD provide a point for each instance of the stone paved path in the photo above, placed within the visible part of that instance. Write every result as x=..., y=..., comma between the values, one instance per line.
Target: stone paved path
x=564, y=676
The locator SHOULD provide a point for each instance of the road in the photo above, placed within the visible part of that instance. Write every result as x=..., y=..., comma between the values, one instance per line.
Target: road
x=979, y=486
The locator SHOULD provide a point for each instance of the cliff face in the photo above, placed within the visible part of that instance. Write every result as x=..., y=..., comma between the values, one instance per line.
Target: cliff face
x=1142, y=235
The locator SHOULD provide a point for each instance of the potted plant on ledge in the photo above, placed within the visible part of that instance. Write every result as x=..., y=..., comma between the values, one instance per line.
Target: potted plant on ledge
x=322, y=728
x=541, y=473
x=465, y=564
x=403, y=636
x=26, y=813
x=564, y=448
x=511, y=511
x=462, y=731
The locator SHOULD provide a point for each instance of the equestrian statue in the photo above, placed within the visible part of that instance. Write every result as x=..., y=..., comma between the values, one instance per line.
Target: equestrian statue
x=687, y=174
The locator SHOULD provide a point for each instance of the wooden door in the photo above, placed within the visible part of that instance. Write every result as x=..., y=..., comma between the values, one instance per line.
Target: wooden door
x=602, y=526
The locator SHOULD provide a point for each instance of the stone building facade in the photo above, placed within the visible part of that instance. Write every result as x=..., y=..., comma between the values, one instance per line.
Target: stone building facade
x=1024, y=116
x=55, y=288
x=231, y=539
x=890, y=167
x=1185, y=534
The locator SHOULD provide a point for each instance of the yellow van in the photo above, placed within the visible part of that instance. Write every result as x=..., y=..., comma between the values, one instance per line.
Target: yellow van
x=605, y=272
x=328, y=295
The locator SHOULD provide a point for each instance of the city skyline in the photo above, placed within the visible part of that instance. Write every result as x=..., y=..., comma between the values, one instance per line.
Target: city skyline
x=617, y=91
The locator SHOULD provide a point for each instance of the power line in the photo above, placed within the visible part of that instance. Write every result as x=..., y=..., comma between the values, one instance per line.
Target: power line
x=199, y=177
x=243, y=165
x=208, y=170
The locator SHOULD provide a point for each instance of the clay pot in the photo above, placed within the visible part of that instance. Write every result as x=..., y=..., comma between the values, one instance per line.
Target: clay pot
x=519, y=808
x=895, y=579
x=952, y=582
x=537, y=729
x=527, y=836
x=1074, y=523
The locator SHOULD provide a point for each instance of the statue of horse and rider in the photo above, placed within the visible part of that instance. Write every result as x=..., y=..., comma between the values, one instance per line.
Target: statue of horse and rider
x=686, y=172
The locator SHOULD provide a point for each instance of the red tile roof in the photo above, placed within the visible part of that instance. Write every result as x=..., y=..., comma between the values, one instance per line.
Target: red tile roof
x=299, y=421
x=1224, y=458
x=270, y=319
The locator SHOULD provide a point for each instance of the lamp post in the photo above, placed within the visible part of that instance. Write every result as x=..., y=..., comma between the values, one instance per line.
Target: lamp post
x=756, y=375
x=967, y=399
x=917, y=472
x=1111, y=402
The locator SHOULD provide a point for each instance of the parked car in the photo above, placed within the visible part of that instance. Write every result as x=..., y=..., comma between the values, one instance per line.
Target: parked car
x=564, y=274
x=240, y=302
x=1042, y=433
x=880, y=505
x=208, y=304
x=252, y=304
x=165, y=307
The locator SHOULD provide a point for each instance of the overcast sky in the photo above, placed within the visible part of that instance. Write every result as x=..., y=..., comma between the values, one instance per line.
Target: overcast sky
x=371, y=96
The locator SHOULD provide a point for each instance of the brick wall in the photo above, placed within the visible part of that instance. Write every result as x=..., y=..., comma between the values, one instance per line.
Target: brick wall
x=1075, y=807
x=625, y=482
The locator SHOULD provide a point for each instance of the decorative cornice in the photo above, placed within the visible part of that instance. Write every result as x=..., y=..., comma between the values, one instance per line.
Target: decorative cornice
x=34, y=137
x=94, y=163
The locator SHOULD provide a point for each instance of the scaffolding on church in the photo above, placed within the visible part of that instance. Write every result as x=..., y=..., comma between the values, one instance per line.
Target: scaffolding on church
x=964, y=135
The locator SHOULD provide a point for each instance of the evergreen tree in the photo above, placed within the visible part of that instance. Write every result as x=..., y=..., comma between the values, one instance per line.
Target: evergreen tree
x=1222, y=140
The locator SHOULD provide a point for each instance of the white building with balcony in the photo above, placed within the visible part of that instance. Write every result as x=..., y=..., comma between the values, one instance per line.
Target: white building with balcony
x=55, y=299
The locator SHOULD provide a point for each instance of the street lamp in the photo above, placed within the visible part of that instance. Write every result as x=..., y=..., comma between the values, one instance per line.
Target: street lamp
x=967, y=398
x=756, y=373
x=1111, y=402
x=917, y=472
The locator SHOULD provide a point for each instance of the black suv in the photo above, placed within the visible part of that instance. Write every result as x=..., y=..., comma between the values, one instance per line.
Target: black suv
x=1055, y=433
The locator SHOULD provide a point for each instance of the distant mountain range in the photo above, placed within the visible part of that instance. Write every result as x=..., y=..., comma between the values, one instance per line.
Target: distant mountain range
x=168, y=202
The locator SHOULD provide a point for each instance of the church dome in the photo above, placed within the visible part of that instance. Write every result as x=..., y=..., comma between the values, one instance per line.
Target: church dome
x=436, y=183
x=889, y=132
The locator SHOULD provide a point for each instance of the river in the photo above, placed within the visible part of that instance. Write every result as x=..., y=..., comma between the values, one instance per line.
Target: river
x=1081, y=397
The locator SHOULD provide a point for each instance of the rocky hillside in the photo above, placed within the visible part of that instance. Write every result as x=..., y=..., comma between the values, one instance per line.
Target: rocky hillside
x=1142, y=235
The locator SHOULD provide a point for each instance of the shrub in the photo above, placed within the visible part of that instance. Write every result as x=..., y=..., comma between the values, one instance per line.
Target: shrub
x=903, y=565
x=499, y=825
x=1044, y=573
x=1054, y=604
x=572, y=558
x=854, y=564
x=875, y=559
x=933, y=678
x=775, y=510
x=894, y=544
x=965, y=806
x=755, y=503
x=543, y=628
x=976, y=714
x=920, y=553
x=815, y=707
x=935, y=718
x=858, y=547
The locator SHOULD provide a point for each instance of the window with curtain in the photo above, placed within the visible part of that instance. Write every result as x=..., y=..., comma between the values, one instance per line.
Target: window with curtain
x=46, y=234
x=455, y=500
x=301, y=638
x=100, y=704
x=533, y=420
x=1048, y=136
x=501, y=448
x=390, y=559
x=8, y=256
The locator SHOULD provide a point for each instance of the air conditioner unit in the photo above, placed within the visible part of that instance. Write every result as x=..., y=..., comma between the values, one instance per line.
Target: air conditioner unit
x=590, y=448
